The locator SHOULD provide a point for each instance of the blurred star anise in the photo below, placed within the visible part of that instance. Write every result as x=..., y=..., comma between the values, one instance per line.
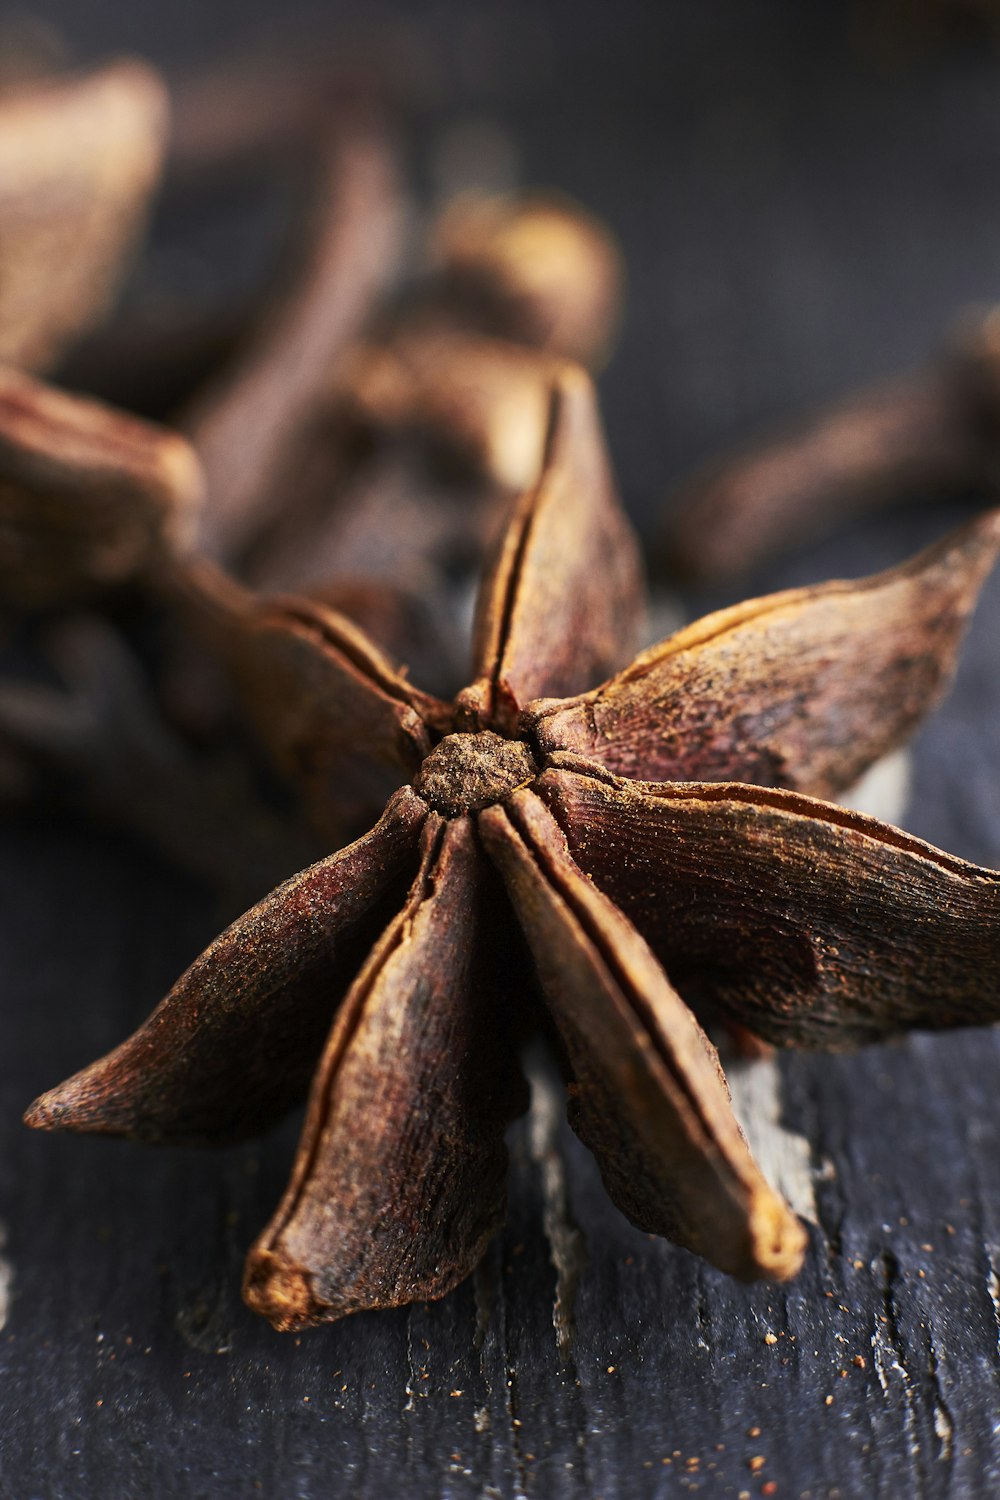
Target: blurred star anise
x=357, y=425
x=918, y=436
x=633, y=885
x=80, y=157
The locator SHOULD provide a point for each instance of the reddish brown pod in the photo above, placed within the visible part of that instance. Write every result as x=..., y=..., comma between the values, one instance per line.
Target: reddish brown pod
x=424, y=414
x=539, y=269
x=80, y=157
x=574, y=853
x=930, y=432
x=90, y=498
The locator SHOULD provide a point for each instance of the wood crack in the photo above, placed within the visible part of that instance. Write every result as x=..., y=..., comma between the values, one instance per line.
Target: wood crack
x=921, y=1389
x=567, y=1246
x=944, y=1423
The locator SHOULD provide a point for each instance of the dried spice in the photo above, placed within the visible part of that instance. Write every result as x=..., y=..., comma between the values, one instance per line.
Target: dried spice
x=248, y=425
x=81, y=726
x=281, y=435
x=933, y=431
x=93, y=501
x=256, y=129
x=513, y=278
x=427, y=439
x=89, y=497
x=538, y=270
x=480, y=403
x=531, y=818
x=437, y=414
x=79, y=159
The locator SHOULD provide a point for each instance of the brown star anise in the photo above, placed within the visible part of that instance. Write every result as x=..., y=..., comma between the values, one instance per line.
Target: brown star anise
x=916, y=436
x=632, y=884
x=80, y=157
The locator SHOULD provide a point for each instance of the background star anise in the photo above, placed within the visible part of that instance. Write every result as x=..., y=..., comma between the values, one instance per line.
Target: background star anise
x=359, y=441
x=913, y=438
x=633, y=885
x=80, y=157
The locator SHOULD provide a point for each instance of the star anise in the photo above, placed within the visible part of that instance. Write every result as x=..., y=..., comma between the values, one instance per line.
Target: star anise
x=916, y=436
x=80, y=157
x=633, y=885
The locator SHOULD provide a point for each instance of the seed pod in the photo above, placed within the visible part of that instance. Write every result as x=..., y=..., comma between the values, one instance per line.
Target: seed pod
x=79, y=159
x=480, y=405
x=539, y=270
x=89, y=498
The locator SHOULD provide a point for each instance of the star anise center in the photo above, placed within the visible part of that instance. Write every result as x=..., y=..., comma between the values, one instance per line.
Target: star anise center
x=467, y=772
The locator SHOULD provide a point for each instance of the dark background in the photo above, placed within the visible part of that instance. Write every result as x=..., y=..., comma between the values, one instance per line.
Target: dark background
x=805, y=195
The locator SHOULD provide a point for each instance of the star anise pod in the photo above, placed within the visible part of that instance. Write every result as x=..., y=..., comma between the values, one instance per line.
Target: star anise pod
x=80, y=157
x=96, y=505
x=644, y=897
x=419, y=431
x=97, y=508
x=345, y=364
x=81, y=727
x=917, y=436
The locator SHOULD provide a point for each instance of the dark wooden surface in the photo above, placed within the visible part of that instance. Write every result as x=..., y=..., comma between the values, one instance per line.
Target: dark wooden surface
x=796, y=216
